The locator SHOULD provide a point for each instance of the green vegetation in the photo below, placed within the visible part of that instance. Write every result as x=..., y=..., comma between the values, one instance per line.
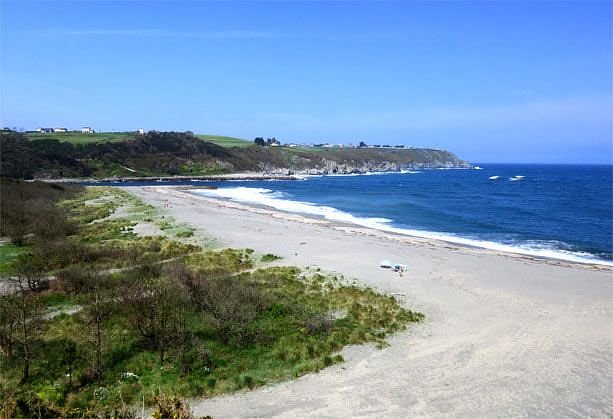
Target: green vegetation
x=80, y=138
x=114, y=137
x=9, y=254
x=176, y=153
x=225, y=141
x=269, y=257
x=125, y=317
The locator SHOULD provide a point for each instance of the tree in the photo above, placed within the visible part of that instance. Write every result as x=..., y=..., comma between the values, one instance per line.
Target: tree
x=8, y=325
x=157, y=309
x=259, y=141
x=99, y=306
x=70, y=357
x=363, y=144
x=29, y=268
x=25, y=310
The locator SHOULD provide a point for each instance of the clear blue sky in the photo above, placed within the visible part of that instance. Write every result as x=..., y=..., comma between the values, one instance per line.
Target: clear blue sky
x=492, y=81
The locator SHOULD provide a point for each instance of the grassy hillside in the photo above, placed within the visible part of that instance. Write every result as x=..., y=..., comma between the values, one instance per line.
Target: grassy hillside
x=79, y=138
x=178, y=153
x=101, y=137
x=224, y=141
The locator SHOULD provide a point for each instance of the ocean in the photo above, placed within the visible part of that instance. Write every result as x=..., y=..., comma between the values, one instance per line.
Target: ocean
x=555, y=211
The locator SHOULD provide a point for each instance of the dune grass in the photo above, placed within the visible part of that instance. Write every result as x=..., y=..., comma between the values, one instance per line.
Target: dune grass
x=232, y=326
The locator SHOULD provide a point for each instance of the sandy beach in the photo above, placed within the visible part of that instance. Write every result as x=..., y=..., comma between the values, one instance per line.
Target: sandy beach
x=505, y=335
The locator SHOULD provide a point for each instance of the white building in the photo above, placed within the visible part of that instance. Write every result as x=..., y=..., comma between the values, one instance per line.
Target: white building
x=60, y=130
x=87, y=130
x=140, y=131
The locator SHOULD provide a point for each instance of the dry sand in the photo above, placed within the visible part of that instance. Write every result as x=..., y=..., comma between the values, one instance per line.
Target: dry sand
x=505, y=335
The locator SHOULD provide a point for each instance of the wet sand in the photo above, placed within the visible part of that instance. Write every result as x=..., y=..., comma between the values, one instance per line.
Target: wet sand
x=505, y=335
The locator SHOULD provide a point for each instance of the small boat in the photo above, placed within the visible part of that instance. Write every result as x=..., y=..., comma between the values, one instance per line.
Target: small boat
x=494, y=177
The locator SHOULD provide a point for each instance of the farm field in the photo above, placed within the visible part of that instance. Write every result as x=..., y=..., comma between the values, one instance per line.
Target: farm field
x=80, y=138
x=99, y=137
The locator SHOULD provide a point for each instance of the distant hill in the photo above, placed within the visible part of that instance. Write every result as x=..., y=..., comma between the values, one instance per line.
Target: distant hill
x=175, y=153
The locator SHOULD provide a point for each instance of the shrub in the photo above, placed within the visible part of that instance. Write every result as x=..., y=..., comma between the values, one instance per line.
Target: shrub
x=171, y=407
x=269, y=257
x=234, y=304
x=74, y=280
x=319, y=323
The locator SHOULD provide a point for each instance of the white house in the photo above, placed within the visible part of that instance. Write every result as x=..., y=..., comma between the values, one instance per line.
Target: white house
x=140, y=131
x=44, y=129
x=87, y=130
x=60, y=130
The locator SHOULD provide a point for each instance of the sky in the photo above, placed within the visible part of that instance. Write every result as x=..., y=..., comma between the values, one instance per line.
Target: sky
x=505, y=81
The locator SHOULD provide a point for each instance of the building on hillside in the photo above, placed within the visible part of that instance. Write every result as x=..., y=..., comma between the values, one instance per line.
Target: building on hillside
x=60, y=130
x=140, y=131
x=87, y=130
x=44, y=129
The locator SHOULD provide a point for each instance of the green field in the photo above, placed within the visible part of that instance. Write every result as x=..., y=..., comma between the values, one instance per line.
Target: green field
x=224, y=141
x=80, y=138
x=99, y=137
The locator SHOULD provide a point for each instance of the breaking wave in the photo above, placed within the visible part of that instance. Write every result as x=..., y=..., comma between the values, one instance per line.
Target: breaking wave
x=281, y=201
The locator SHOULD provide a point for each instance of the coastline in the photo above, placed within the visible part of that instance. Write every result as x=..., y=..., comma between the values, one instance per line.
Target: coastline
x=503, y=332
x=280, y=174
x=229, y=177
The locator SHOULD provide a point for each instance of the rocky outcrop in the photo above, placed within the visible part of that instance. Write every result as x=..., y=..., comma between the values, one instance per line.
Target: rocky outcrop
x=364, y=161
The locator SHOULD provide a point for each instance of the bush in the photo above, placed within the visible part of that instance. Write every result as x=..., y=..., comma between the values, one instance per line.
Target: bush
x=319, y=323
x=29, y=210
x=269, y=257
x=74, y=280
x=231, y=303
x=171, y=407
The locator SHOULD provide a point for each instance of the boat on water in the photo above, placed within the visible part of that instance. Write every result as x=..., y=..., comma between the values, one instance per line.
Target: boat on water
x=494, y=177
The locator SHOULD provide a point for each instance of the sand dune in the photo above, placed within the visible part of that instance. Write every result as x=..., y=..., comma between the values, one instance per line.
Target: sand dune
x=505, y=335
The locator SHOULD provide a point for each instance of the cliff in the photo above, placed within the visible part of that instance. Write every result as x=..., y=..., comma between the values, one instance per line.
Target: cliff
x=361, y=160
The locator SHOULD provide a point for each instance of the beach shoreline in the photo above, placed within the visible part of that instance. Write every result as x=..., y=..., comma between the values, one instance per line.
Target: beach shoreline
x=390, y=235
x=503, y=333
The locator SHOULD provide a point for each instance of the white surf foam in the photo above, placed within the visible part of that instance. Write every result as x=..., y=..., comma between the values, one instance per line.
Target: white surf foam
x=402, y=172
x=280, y=201
x=261, y=196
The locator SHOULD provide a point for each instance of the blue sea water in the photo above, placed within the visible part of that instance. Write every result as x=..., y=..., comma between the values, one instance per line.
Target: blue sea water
x=560, y=211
